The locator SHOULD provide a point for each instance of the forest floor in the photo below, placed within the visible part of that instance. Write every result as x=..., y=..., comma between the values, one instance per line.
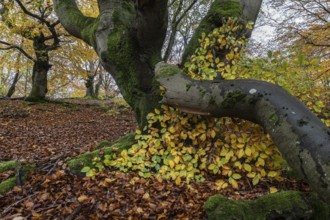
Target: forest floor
x=49, y=133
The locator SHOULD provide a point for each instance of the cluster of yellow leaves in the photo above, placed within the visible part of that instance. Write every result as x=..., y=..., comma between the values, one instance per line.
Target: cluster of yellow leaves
x=181, y=146
x=206, y=64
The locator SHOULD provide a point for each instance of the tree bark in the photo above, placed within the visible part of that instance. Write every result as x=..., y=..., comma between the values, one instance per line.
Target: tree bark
x=12, y=88
x=128, y=37
x=90, y=86
x=302, y=138
x=40, y=70
x=98, y=86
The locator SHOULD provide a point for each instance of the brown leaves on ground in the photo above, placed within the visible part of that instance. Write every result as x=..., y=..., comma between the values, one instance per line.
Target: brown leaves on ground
x=113, y=195
x=48, y=133
x=38, y=132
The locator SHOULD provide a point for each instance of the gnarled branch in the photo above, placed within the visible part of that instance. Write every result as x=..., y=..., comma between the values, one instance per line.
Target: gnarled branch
x=302, y=138
x=74, y=21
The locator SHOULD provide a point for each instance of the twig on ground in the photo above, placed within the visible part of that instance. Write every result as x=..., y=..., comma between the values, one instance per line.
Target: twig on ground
x=74, y=213
x=15, y=203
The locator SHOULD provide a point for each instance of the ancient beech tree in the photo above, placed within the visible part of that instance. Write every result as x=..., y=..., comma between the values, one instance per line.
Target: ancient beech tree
x=128, y=37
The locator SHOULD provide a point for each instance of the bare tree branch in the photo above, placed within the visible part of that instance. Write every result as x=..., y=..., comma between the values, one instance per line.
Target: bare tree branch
x=13, y=46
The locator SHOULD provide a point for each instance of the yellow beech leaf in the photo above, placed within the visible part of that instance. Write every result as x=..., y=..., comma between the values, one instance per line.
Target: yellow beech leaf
x=171, y=163
x=264, y=156
x=233, y=183
x=212, y=133
x=256, y=180
x=233, y=136
x=203, y=137
x=236, y=176
x=178, y=180
x=123, y=153
x=138, y=131
x=211, y=166
x=202, y=166
x=247, y=167
x=240, y=145
x=237, y=164
x=273, y=190
x=177, y=159
x=172, y=129
x=261, y=161
x=240, y=153
x=184, y=121
x=183, y=135
x=157, y=111
x=240, y=140
x=272, y=174
x=251, y=175
x=248, y=151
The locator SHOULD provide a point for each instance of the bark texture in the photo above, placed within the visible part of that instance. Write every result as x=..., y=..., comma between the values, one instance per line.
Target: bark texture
x=40, y=70
x=128, y=37
x=302, y=138
x=12, y=87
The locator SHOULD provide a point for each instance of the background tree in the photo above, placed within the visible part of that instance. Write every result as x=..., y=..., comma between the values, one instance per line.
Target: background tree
x=305, y=22
x=21, y=18
x=184, y=16
x=129, y=36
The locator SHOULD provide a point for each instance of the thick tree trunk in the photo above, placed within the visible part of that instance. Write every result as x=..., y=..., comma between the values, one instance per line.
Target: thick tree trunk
x=128, y=37
x=40, y=70
x=39, y=81
x=302, y=138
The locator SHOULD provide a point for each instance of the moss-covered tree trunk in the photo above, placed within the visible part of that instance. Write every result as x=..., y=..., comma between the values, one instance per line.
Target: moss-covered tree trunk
x=128, y=36
x=40, y=70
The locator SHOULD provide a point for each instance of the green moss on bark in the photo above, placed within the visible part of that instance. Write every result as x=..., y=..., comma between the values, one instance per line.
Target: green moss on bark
x=76, y=164
x=282, y=205
x=232, y=98
x=164, y=70
x=9, y=183
x=8, y=165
